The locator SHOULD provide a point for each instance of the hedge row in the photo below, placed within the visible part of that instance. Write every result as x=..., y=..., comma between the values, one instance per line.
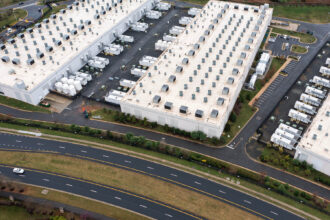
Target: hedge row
x=142, y=142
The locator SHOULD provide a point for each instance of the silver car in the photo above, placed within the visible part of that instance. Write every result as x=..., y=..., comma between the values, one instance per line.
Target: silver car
x=18, y=170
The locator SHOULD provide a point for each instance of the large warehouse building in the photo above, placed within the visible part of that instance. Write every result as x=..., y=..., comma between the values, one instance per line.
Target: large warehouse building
x=314, y=146
x=194, y=84
x=33, y=61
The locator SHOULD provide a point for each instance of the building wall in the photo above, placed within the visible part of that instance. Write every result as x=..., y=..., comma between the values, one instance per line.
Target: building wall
x=172, y=120
x=319, y=162
x=35, y=95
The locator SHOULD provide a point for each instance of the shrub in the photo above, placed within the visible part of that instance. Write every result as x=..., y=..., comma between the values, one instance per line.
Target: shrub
x=308, y=172
x=232, y=117
x=227, y=127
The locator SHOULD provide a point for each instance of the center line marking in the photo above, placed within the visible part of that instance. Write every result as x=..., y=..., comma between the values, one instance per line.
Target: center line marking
x=198, y=183
x=222, y=192
x=273, y=213
x=68, y=184
x=92, y=190
x=172, y=174
x=150, y=168
x=168, y=215
x=143, y=206
x=105, y=155
x=246, y=201
x=117, y=198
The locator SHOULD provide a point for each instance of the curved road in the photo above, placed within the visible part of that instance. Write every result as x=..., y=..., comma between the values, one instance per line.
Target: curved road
x=187, y=180
x=108, y=194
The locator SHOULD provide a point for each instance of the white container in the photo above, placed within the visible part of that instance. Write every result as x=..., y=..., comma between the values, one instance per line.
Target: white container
x=65, y=88
x=64, y=80
x=72, y=90
x=70, y=81
x=77, y=85
x=59, y=87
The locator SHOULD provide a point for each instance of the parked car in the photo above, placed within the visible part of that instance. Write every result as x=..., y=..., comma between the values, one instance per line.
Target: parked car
x=18, y=170
x=44, y=104
x=21, y=3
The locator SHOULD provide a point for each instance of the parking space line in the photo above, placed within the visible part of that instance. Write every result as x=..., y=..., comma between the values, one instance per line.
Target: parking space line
x=118, y=198
x=172, y=174
x=198, y=183
x=273, y=212
x=68, y=184
x=83, y=151
x=168, y=215
x=105, y=155
x=92, y=190
x=247, y=201
x=143, y=206
x=128, y=161
x=150, y=168
x=222, y=191
x=47, y=180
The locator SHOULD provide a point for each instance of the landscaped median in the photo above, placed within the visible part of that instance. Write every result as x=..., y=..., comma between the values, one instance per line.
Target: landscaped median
x=298, y=49
x=151, y=187
x=185, y=159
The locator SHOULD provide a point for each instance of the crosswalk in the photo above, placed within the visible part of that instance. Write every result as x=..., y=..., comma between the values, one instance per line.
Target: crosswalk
x=269, y=91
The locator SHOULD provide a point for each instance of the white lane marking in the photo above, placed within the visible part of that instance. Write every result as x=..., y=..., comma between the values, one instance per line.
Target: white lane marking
x=230, y=147
x=61, y=147
x=150, y=168
x=47, y=180
x=22, y=175
x=273, y=213
x=172, y=174
x=105, y=155
x=39, y=144
x=222, y=192
x=143, y=206
x=118, y=198
x=128, y=161
x=68, y=184
x=247, y=201
x=92, y=190
x=198, y=183
x=18, y=141
x=168, y=215
x=83, y=151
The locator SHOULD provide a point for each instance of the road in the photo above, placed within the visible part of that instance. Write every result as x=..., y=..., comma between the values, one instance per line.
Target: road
x=104, y=193
x=171, y=175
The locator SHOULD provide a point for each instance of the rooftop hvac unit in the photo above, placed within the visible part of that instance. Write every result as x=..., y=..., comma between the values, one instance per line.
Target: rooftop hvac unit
x=30, y=62
x=63, y=11
x=225, y=91
x=16, y=61
x=5, y=59
x=20, y=35
x=168, y=105
x=199, y=113
x=214, y=113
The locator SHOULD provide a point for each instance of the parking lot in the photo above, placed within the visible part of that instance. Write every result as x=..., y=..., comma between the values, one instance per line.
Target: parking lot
x=276, y=47
x=120, y=66
x=280, y=113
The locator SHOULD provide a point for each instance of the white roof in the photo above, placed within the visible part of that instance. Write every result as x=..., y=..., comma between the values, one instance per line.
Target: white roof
x=265, y=57
x=32, y=75
x=204, y=66
x=320, y=129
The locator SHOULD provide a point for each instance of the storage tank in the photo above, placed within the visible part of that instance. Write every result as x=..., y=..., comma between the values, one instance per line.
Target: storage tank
x=64, y=80
x=77, y=85
x=65, y=88
x=72, y=90
x=70, y=81
x=59, y=87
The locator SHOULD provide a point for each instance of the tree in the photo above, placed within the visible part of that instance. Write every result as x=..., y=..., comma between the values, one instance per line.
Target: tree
x=308, y=172
x=227, y=127
x=232, y=117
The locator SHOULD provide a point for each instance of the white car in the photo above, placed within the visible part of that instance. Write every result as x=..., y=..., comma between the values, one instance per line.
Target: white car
x=18, y=170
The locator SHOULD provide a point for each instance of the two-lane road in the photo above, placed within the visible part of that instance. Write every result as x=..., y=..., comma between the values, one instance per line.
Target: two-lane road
x=209, y=188
x=108, y=194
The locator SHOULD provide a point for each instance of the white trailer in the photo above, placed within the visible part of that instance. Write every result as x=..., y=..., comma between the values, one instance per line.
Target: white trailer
x=261, y=68
x=113, y=99
x=169, y=38
x=264, y=58
x=96, y=64
x=193, y=11
x=138, y=72
x=290, y=129
x=315, y=92
x=113, y=49
x=163, y=6
x=282, y=141
x=126, y=38
x=147, y=61
x=102, y=59
x=327, y=62
x=153, y=14
x=321, y=81
x=117, y=93
x=127, y=83
x=140, y=27
x=176, y=30
x=185, y=20
x=325, y=71
x=287, y=135
x=310, y=99
x=162, y=45
x=294, y=114
x=305, y=107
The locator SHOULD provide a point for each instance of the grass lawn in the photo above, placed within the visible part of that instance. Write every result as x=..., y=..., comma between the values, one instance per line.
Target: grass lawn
x=4, y=3
x=314, y=14
x=304, y=38
x=176, y=162
x=17, y=213
x=298, y=49
x=21, y=105
x=20, y=13
x=128, y=180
